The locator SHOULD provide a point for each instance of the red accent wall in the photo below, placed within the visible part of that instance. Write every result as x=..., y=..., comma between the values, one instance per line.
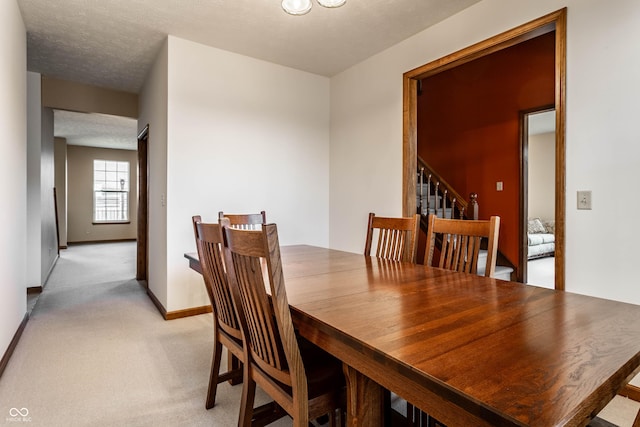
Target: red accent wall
x=468, y=126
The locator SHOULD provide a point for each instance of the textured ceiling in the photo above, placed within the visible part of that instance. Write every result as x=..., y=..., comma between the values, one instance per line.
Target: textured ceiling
x=112, y=43
x=96, y=130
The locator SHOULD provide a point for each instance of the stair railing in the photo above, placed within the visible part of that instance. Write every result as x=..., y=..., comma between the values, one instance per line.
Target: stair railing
x=435, y=195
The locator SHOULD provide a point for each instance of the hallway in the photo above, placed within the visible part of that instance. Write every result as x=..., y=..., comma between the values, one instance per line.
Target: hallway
x=96, y=352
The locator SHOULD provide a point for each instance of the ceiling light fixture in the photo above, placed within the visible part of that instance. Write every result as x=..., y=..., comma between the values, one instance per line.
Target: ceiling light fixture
x=332, y=3
x=301, y=7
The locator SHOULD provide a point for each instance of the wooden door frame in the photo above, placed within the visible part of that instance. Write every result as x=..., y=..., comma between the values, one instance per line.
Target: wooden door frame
x=524, y=188
x=142, y=252
x=554, y=21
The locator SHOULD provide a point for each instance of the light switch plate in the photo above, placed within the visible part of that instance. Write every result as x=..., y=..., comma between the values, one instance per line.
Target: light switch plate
x=584, y=200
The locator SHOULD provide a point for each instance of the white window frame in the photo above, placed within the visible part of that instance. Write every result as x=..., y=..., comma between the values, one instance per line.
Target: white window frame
x=111, y=191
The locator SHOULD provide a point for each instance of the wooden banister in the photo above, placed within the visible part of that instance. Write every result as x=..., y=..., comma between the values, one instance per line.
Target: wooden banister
x=442, y=190
x=473, y=206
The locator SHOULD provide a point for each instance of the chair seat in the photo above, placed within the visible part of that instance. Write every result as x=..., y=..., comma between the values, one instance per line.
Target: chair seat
x=233, y=341
x=324, y=372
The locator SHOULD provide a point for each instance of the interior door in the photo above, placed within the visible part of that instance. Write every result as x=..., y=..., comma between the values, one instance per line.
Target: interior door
x=142, y=257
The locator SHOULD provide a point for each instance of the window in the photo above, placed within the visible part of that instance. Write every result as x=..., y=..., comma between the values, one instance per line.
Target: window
x=110, y=191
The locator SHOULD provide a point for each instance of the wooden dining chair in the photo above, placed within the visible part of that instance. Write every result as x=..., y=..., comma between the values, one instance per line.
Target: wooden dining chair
x=461, y=240
x=226, y=326
x=303, y=379
x=245, y=221
x=460, y=249
x=397, y=238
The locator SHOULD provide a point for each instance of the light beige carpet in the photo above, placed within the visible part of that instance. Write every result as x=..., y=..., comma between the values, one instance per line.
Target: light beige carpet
x=96, y=352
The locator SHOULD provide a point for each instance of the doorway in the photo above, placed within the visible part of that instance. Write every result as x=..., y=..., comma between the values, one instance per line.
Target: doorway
x=142, y=246
x=553, y=22
x=538, y=197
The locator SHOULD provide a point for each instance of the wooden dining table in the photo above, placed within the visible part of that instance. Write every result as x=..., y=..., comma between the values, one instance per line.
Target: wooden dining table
x=466, y=349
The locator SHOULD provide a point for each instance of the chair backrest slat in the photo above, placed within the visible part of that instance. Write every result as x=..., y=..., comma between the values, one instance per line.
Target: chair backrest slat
x=209, y=247
x=251, y=256
x=260, y=322
x=397, y=237
x=245, y=221
x=461, y=241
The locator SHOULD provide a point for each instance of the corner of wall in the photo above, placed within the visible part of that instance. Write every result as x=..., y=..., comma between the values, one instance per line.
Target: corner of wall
x=153, y=110
x=13, y=160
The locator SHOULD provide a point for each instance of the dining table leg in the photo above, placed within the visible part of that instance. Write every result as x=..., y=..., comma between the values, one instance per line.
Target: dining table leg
x=364, y=400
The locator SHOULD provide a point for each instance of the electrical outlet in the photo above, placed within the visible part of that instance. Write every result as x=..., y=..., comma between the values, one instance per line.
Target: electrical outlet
x=499, y=186
x=584, y=200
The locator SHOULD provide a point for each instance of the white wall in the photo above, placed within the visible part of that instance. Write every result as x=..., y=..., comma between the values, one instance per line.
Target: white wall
x=153, y=112
x=34, y=210
x=244, y=135
x=49, y=243
x=603, y=62
x=542, y=176
x=603, y=150
x=13, y=163
x=60, y=159
x=42, y=243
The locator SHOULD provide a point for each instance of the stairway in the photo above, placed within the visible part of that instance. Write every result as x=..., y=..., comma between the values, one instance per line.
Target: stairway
x=435, y=196
x=425, y=201
x=502, y=272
